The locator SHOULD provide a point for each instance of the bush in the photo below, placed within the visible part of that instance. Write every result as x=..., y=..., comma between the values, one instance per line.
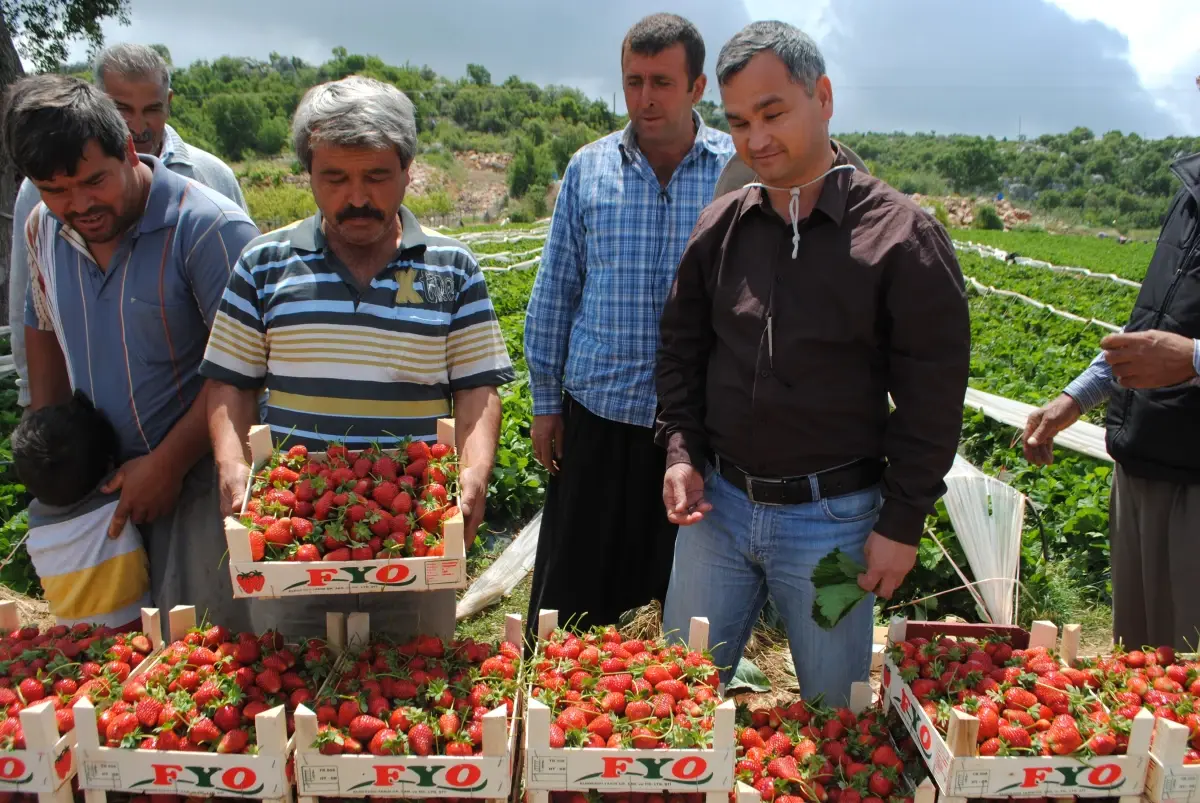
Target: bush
x=273, y=136
x=236, y=120
x=914, y=183
x=436, y=203
x=273, y=207
x=939, y=212
x=986, y=217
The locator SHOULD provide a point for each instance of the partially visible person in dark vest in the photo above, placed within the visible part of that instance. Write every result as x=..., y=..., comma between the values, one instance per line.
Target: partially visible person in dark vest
x=1150, y=376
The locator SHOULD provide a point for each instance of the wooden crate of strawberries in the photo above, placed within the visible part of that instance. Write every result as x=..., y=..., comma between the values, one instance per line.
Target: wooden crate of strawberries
x=1165, y=684
x=809, y=751
x=208, y=715
x=345, y=522
x=423, y=719
x=45, y=672
x=994, y=713
x=679, y=740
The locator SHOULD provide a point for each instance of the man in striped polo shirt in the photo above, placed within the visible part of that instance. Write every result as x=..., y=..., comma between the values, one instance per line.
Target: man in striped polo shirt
x=365, y=327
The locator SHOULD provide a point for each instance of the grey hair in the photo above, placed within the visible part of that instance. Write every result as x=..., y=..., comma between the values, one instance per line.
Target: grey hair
x=794, y=47
x=132, y=61
x=355, y=112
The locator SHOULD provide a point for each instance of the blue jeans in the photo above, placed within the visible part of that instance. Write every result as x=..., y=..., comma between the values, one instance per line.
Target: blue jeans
x=726, y=564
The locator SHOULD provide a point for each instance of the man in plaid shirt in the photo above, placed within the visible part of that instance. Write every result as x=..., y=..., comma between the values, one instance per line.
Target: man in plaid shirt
x=624, y=213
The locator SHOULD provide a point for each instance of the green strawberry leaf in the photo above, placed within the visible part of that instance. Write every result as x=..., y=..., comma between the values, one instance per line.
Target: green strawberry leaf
x=835, y=580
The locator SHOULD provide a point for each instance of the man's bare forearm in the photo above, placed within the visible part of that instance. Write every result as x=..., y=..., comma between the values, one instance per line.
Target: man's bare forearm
x=231, y=413
x=49, y=382
x=477, y=426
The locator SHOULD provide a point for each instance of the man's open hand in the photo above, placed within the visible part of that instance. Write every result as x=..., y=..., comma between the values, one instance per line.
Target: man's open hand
x=888, y=563
x=1149, y=359
x=149, y=489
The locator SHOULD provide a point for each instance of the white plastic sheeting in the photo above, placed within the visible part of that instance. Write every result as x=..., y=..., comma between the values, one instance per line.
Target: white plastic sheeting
x=499, y=579
x=988, y=289
x=1080, y=437
x=1000, y=253
x=988, y=517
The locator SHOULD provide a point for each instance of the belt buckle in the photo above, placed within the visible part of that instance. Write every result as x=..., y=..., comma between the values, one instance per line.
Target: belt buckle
x=750, y=481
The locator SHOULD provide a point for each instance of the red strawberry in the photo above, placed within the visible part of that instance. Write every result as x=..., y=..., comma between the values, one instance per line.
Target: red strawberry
x=364, y=727
x=234, y=741
x=308, y=553
x=421, y=739
x=120, y=726
x=449, y=723
x=1063, y=736
x=148, y=711
x=383, y=743
x=258, y=545
x=280, y=532
x=203, y=731
x=227, y=717
x=337, y=555
x=269, y=681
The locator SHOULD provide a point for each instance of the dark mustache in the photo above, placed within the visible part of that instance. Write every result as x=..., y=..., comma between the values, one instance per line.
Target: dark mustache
x=145, y=136
x=352, y=212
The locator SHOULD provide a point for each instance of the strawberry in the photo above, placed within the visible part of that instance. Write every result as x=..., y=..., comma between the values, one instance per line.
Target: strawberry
x=234, y=741
x=308, y=553
x=227, y=718
x=337, y=555
x=449, y=723
x=258, y=545
x=148, y=711
x=31, y=690
x=65, y=719
x=269, y=681
x=364, y=727
x=203, y=731
x=280, y=533
x=421, y=739
x=119, y=727
x=1063, y=736
x=383, y=743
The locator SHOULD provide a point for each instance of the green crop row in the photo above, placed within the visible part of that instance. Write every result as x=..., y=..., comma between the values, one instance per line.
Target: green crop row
x=1128, y=261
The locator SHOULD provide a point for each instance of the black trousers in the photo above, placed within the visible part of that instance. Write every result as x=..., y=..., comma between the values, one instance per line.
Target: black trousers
x=605, y=545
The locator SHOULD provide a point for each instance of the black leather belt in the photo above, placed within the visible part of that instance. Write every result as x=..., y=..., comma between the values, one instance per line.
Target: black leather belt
x=847, y=479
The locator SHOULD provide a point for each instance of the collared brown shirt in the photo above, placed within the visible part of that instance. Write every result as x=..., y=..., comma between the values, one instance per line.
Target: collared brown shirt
x=873, y=304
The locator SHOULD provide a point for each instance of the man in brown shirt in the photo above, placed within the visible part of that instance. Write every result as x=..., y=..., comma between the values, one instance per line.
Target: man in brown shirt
x=797, y=308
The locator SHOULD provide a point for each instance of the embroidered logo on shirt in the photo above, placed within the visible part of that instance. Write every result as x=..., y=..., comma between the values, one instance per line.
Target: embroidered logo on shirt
x=438, y=288
x=405, y=292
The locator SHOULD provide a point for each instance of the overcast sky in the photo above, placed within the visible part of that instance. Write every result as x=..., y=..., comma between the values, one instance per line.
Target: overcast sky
x=906, y=65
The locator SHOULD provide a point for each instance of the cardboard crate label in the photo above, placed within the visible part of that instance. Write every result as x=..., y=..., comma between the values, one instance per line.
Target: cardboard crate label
x=170, y=772
x=405, y=776
x=276, y=579
x=36, y=771
x=618, y=770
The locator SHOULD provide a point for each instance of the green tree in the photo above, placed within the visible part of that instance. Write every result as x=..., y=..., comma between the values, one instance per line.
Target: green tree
x=522, y=170
x=971, y=165
x=236, y=121
x=165, y=52
x=272, y=136
x=479, y=75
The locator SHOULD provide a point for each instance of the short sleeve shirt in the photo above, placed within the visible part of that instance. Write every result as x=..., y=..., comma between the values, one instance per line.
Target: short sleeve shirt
x=358, y=365
x=133, y=335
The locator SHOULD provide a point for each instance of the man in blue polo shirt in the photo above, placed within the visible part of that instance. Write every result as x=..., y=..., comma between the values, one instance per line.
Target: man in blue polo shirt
x=127, y=264
x=139, y=81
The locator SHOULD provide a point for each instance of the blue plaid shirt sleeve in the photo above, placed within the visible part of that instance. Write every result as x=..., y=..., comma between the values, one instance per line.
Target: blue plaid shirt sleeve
x=555, y=297
x=1094, y=386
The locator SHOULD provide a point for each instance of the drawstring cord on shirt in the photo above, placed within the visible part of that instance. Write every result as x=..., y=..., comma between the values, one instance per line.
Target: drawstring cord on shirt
x=794, y=219
x=794, y=202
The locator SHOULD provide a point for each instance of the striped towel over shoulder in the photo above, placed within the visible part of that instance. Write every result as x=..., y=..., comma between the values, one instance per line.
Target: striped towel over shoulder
x=87, y=576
